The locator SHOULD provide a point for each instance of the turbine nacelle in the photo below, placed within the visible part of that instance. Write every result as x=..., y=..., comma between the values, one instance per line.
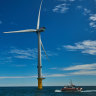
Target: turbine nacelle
x=42, y=29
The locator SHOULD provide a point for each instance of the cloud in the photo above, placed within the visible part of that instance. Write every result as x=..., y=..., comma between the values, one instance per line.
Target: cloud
x=22, y=77
x=53, y=68
x=87, y=46
x=16, y=77
x=85, y=69
x=66, y=5
x=62, y=8
x=4, y=60
x=20, y=65
x=29, y=53
x=79, y=7
x=24, y=53
x=84, y=73
x=82, y=67
x=92, y=19
x=76, y=73
x=86, y=11
x=49, y=53
x=56, y=75
x=92, y=24
x=89, y=13
x=26, y=77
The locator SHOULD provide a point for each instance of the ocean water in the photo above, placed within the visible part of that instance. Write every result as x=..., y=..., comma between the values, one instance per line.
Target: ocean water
x=47, y=91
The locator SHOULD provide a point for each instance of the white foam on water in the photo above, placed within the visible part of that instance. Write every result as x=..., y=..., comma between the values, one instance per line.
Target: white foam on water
x=89, y=91
x=58, y=91
x=81, y=91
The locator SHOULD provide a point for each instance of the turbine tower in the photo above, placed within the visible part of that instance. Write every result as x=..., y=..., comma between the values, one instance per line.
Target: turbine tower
x=38, y=31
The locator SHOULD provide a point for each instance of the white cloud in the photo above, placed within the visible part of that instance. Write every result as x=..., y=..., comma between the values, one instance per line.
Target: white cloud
x=84, y=73
x=76, y=73
x=4, y=60
x=16, y=77
x=29, y=53
x=93, y=17
x=86, y=11
x=53, y=68
x=49, y=53
x=23, y=65
x=87, y=46
x=79, y=7
x=23, y=57
x=92, y=52
x=56, y=75
x=24, y=54
x=22, y=77
x=92, y=24
x=62, y=8
x=82, y=67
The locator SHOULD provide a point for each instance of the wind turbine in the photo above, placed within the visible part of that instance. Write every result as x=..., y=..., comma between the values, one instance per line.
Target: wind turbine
x=38, y=31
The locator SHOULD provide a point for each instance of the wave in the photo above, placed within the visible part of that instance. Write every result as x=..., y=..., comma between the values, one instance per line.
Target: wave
x=58, y=91
x=81, y=91
x=89, y=91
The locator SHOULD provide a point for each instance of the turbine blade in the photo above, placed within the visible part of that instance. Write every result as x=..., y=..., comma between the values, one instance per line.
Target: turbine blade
x=44, y=50
x=21, y=31
x=38, y=22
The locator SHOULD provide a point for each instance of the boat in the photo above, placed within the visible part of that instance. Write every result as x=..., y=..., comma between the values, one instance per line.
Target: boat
x=71, y=88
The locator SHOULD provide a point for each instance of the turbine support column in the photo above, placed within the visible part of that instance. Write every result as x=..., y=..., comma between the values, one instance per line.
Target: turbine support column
x=39, y=63
x=39, y=83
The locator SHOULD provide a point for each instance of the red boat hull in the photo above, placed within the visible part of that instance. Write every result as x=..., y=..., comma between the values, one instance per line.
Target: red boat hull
x=71, y=89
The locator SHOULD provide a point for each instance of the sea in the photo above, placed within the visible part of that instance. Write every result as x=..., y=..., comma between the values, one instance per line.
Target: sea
x=47, y=91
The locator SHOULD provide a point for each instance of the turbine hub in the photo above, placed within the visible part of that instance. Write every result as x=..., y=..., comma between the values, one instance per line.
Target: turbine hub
x=42, y=29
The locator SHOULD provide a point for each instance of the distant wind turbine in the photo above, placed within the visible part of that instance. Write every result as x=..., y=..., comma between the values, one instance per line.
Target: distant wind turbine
x=38, y=31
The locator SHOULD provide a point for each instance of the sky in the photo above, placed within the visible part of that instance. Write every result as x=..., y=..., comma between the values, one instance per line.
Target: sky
x=69, y=41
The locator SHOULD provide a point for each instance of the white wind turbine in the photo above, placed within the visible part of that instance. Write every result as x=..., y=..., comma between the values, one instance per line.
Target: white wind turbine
x=38, y=31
